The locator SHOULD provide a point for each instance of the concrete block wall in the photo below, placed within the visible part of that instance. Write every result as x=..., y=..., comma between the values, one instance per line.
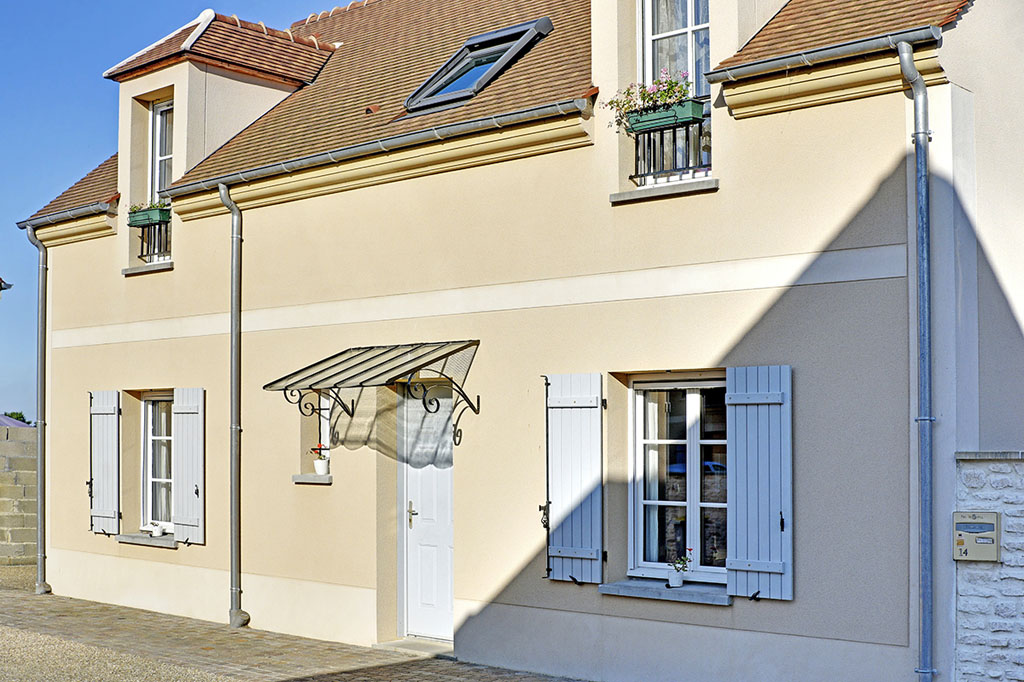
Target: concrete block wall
x=17, y=495
x=990, y=596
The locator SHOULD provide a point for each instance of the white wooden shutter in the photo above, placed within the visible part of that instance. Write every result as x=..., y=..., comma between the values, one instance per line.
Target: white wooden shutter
x=759, y=427
x=104, y=461
x=188, y=464
x=574, y=477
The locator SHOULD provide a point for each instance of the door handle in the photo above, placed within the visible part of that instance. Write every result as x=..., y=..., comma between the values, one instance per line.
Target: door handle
x=411, y=512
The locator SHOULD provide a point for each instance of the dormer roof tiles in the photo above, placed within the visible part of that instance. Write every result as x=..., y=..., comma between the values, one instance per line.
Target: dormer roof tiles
x=233, y=43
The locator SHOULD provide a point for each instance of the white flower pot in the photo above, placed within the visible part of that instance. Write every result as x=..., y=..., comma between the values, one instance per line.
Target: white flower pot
x=157, y=531
x=321, y=466
x=675, y=579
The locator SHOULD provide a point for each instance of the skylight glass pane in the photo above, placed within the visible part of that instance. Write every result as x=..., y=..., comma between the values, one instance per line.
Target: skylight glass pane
x=468, y=74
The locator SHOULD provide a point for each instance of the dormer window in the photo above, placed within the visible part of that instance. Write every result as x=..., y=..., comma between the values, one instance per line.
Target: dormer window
x=161, y=139
x=479, y=61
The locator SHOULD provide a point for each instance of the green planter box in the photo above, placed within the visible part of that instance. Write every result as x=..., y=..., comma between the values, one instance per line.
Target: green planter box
x=669, y=116
x=149, y=216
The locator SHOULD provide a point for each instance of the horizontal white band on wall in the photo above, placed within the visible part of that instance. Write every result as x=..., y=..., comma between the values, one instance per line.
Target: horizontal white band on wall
x=847, y=265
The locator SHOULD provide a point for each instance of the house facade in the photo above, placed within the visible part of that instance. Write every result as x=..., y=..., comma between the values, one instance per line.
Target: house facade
x=545, y=359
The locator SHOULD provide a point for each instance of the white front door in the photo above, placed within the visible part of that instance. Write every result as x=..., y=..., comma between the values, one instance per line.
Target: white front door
x=426, y=514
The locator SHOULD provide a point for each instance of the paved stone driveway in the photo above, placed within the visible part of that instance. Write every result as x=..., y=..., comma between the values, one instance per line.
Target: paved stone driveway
x=57, y=638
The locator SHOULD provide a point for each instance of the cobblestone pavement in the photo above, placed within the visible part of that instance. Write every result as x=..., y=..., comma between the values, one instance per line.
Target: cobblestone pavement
x=58, y=638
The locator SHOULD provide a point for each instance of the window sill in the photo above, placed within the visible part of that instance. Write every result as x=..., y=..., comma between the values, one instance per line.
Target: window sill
x=669, y=189
x=162, y=266
x=312, y=479
x=167, y=541
x=644, y=588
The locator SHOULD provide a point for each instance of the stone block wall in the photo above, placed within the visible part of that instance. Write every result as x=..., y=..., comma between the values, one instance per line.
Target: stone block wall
x=990, y=596
x=17, y=496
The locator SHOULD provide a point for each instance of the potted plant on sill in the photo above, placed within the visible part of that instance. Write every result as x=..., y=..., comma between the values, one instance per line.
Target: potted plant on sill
x=664, y=103
x=140, y=215
x=321, y=459
x=679, y=566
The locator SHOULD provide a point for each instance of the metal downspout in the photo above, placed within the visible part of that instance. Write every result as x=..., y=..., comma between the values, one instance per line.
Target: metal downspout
x=42, y=587
x=924, y=351
x=237, y=617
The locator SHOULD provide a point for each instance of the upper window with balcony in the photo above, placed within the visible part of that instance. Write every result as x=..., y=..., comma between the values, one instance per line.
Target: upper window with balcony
x=675, y=45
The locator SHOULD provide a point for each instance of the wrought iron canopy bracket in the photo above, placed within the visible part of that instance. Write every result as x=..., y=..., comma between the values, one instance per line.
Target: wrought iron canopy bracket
x=421, y=391
x=308, y=401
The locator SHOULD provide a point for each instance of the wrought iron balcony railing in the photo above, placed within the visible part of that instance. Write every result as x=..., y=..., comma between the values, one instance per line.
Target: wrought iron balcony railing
x=673, y=153
x=155, y=243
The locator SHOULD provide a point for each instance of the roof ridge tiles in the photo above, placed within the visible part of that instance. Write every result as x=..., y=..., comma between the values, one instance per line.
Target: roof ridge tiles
x=260, y=27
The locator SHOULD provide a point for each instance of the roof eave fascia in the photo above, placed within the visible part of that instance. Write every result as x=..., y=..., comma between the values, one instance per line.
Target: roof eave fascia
x=886, y=41
x=383, y=145
x=67, y=214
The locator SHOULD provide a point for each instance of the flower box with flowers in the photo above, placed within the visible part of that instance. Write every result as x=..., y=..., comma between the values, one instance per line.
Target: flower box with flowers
x=666, y=116
x=665, y=103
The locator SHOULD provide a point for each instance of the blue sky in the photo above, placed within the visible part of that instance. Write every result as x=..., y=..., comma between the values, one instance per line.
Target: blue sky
x=59, y=118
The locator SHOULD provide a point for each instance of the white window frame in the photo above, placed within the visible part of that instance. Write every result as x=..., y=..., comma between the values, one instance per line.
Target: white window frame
x=638, y=567
x=147, y=459
x=154, y=146
x=646, y=38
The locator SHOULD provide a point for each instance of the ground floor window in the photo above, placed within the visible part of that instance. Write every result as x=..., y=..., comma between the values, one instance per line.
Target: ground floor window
x=678, y=487
x=157, y=445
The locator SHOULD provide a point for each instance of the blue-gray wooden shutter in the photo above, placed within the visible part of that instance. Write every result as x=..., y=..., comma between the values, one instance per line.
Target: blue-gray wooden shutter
x=574, y=477
x=104, y=461
x=759, y=428
x=188, y=462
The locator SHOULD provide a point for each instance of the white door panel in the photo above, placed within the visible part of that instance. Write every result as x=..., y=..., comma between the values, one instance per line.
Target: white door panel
x=427, y=515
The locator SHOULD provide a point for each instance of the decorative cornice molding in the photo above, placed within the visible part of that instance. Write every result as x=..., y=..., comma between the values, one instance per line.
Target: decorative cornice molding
x=855, y=78
x=78, y=230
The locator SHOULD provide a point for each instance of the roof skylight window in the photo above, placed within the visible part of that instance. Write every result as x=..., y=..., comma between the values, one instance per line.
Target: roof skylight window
x=480, y=60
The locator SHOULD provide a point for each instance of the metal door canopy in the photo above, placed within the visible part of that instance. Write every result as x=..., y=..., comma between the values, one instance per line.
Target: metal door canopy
x=369, y=366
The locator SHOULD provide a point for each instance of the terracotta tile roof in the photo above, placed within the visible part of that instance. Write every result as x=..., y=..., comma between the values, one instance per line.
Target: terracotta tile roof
x=99, y=185
x=232, y=42
x=389, y=48
x=803, y=25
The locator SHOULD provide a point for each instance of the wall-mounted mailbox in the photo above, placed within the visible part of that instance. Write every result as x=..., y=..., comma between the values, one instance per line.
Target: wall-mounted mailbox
x=976, y=536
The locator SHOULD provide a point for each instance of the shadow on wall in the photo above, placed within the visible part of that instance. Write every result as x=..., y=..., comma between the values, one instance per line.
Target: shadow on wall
x=375, y=425
x=849, y=346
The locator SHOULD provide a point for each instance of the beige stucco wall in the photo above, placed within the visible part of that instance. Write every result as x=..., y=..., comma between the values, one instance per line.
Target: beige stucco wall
x=980, y=55
x=791, y=191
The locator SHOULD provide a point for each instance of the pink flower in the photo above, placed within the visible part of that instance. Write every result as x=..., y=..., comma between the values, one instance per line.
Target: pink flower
x=652, y=89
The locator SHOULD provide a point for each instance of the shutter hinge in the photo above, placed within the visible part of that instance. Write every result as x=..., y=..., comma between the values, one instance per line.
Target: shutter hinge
x=782, y=523
x=120, y=516
x=604, y=555
x=604, y=403
x=88, y=487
